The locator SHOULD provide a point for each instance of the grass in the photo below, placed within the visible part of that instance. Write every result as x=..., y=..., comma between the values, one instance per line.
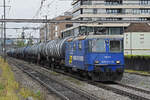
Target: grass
x=27, y=93
x=10, y=89
x=137, y=56
x=54, y=73
x=138, y=72
x=73, y=80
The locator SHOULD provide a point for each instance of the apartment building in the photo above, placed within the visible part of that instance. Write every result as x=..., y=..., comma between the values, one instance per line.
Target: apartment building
x=107, y=10
x=54, y=29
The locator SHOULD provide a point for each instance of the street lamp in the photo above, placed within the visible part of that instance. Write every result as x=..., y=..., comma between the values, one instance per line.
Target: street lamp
x=4, y=30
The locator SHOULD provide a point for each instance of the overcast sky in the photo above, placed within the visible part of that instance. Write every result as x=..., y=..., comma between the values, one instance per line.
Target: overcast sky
x=28, y=9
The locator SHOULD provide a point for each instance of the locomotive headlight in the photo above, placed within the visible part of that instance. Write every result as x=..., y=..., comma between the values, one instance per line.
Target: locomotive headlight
x=118, y=62
x=96, y=62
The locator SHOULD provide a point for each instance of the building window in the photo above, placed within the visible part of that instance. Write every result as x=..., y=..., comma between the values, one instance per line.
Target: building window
x=115, y=31
x=94, y=11
x=113, y=11
x=145, y=11
x=87, y=19
x=113, y=19
x=142, y=19
x=68, y=25
x=56, y=28
x=90, y=30
x=56, y=34
x=86, y=2
x=142, y=42
x=67, y=18
x=141, y=11
x=141, y=34
x=83, y=30
x=144, y=2
x=142, y=38
x=99, y=31
x=113, y=2
x=88, y=11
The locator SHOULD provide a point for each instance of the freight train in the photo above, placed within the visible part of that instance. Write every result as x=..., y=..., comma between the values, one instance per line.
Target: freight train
x=99, y=57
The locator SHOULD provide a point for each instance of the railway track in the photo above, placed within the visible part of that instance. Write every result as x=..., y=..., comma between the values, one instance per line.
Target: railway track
x=138, y=74
x=108, y=87
x=134, y=88
x=124, y=91
x=121, y=90
x=62, y=90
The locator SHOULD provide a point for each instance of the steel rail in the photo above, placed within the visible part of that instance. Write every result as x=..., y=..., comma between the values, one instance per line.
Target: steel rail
x=134, y=73
x=119, y=91
x=134, y=88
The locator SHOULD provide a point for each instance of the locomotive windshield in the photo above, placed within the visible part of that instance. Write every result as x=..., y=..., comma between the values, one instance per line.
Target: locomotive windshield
x=115, y=46
x=97, y=45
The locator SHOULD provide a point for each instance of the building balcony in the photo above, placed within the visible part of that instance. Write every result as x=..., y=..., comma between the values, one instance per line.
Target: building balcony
x=106, y=25
x=112, y=7
x=105, y=15
x=74, y=1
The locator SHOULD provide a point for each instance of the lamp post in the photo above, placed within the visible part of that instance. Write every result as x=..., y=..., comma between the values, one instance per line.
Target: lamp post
x=46, y=27
x=2, y=36
x=4, y=30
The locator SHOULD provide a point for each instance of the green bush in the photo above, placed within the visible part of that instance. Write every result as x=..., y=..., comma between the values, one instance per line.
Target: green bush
x=137, y=56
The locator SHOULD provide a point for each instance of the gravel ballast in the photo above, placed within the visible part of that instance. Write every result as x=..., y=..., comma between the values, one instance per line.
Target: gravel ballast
x=137, y=81
x=26, y=82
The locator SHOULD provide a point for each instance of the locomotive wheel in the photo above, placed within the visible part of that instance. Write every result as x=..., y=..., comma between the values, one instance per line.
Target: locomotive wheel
x=52, y=66
x=66, y=69
x=70, y=70
x=85, y=75
x=119, y=78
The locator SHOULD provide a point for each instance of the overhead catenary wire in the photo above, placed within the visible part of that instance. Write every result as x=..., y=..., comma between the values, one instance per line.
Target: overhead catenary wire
x=39, y=9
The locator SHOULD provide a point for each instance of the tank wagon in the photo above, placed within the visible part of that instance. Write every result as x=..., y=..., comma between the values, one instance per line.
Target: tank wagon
x=97, y=56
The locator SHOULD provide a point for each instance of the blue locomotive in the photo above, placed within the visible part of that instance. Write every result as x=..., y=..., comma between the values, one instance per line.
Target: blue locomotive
x=99, y=57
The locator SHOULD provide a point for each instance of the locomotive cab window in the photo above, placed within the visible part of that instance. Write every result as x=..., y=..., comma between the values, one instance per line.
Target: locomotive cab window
x=97, y=45
x=115, y=46
x=69, y=47
x=74, y=46
x=80, y=45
